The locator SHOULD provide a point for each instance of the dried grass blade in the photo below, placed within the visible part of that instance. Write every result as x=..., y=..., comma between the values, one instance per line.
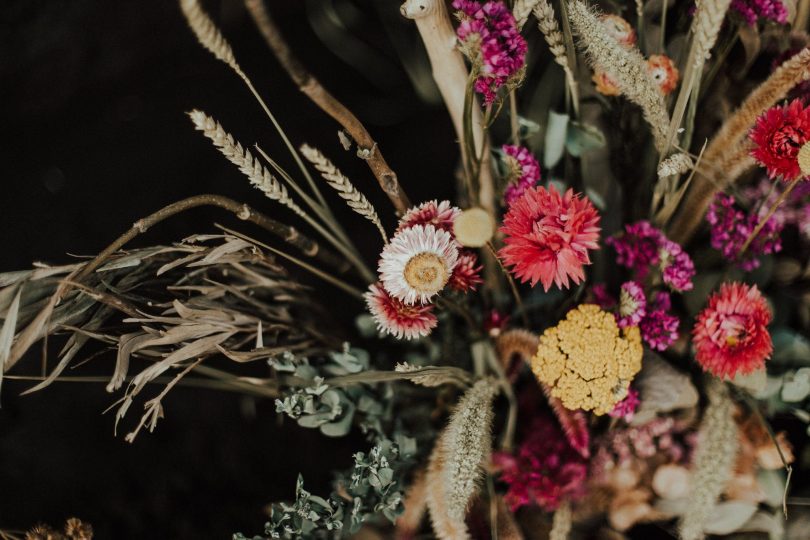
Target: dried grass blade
x=7, y=332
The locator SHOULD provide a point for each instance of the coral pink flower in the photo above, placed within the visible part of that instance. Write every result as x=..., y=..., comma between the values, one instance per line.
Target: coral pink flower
x=604, y=84
x=731, y=334
x=778, y=136
x=397, y=318
x=439, y=214
x=467, y=273
x=663, y=71
x=548, y=235
x=545, y=471
x=619, y=29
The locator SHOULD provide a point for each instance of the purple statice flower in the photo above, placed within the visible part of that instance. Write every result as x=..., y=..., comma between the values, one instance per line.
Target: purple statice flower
x=677, y=267
x=638, y=247
x=795, y=211
x=601, y=296
x=545, y=471
x=632, y=305
x=731, y=227
x=491, y=29
x=526, y=170
x=659, y=328
x=626, y=408
x=754, y=10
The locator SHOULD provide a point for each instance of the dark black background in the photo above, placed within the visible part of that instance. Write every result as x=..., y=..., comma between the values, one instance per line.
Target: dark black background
x=92, y=102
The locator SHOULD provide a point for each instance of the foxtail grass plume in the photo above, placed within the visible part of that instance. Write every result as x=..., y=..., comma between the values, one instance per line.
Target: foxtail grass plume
x=455, y=468
x=713, y=462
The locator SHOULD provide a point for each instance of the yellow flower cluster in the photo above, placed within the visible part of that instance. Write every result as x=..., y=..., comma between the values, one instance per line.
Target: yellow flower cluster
x=586, y=361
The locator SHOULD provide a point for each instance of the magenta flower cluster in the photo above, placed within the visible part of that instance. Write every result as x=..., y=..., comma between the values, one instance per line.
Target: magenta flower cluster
x=491, y=29
x=626, y=408
x=731, y=227
x=545, y=470
x=659, y=327
x=632, y=305
x=754, y=10
x=527, y=176
x=642, y=247
x=795, y=211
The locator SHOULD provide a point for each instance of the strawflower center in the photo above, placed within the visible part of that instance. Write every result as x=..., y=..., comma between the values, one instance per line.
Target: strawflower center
x=426, y=273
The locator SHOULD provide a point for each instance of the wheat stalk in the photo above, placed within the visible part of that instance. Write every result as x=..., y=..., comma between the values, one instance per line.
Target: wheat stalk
x=714, y=460
x=251, y=167
x=561, y=522
x=340, y=183
x=521, y=11
x=626, y=66
x=550, y=29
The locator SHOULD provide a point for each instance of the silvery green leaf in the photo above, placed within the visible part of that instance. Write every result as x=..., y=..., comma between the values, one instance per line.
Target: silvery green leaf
x=789, y=347
x=772, y=387
x=797, y=387
x=342, y=426
x=555, y=138
x=365, y=325
x=729, y=516
x=527, y=127
x=595, y=198
x=772, y=484
x=753, y=382
x=583, y=137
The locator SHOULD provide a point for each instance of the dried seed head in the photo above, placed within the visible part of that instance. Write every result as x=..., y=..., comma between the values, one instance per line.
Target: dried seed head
x=804, y=159
x=473, y=227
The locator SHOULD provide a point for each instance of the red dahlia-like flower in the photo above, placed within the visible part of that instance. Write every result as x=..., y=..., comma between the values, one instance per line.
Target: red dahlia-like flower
x=548, y=235
x=731, y=334
x=778, y=136
x=397, y=318
x=467, y=273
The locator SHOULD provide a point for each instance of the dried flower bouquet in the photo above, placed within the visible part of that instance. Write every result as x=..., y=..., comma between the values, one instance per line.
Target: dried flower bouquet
x=595, y=335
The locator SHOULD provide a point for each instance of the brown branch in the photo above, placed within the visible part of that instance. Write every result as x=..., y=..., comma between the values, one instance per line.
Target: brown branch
x=313, y=89
x=309, y=247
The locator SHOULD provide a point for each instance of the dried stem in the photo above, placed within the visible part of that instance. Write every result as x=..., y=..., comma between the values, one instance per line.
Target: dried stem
x=782, y=198
x=312, y=88
x=308, y=247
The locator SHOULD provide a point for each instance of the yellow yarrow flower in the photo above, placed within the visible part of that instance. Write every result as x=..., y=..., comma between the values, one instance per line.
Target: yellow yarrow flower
x=586, y=361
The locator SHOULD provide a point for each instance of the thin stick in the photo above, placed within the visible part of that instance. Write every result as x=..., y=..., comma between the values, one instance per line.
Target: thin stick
x=785, y=464
x=312, y=88
x=512, y=285
x=513, y=118
x=770, y=213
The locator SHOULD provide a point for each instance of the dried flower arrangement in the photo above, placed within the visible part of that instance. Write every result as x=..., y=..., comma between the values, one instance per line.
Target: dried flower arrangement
x=595, y=336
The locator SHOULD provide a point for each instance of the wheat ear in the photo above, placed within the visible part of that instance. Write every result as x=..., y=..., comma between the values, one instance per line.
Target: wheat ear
x=714, y=460
x=340, y=183
x=550, y=29
x=626, y=66
x=521, y=11
x=258, y=175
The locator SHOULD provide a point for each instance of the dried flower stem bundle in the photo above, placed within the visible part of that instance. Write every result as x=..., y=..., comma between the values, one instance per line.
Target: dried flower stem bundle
x=727, y=153
x=263, y=180
x=454, y=472
x=713, y=463
x=340, y=183
x=550, y=29
x=313, y=89
x=624, y=65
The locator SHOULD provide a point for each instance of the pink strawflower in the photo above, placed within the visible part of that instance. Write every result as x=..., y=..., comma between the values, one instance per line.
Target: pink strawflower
x=524, y=169
x=397, y=318
x=779, y=134
x=676, y=266
x=731, y=227
x=731, y=333
x=767, y=10
x=659, y=328
x=545, y=471
x=619, y=29
x=439, y=214
x=632, y=305
x=638, y=248
x=626, y=408
x=548, y=235
x=467, y=273
x=489, y=30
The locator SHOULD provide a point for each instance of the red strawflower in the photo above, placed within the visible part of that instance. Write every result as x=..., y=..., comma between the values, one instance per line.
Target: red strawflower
x=397, y=318
x=731, y=334
x=548, y=235
x=467, y=273
x=778, y=136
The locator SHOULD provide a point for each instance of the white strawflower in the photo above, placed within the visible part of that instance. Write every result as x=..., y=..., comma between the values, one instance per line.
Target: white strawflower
x=417, y=263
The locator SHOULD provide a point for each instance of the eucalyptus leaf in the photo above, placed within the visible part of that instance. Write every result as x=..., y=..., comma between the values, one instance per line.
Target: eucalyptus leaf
x=789, y=347
x=753, y=382
x=772, y=483
x=583, y=137
x=729, y=516
x=796, y=387
x=556, y=131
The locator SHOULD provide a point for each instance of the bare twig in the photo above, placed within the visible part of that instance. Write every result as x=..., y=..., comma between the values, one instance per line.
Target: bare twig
x=312, y=88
